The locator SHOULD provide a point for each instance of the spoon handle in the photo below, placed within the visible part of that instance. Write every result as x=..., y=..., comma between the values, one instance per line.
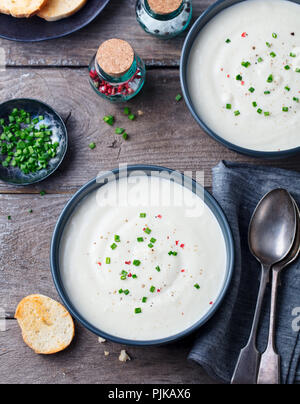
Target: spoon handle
x=247, y=366
x=269, y=371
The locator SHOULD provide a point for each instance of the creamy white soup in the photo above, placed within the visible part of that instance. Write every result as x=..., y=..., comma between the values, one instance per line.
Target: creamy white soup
x=244, y=74
x=146, y=269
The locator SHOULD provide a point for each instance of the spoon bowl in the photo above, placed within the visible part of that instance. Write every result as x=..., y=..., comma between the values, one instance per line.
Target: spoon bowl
x=273, y=227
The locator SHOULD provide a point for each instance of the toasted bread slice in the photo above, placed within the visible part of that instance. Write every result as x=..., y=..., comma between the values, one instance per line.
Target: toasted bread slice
x=23, y=8
x=58, y=9
x=4, y=7
x=46, y=325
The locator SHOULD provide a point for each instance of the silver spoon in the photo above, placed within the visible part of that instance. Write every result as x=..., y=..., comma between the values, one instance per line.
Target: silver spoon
x=271, y=236
x=269, y=370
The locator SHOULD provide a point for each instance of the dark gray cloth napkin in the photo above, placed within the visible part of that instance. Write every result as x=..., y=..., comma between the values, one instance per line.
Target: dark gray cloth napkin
x=238, y=188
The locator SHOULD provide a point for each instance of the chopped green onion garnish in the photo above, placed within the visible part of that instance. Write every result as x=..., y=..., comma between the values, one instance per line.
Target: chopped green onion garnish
x=287, y=67
x=134, y=276
x=126, y=292
x=107, y=260
x=254, y=104
x=228, y=40
x=246, y=64
x=236, y=113
x=140, y=239
x=144, y=300
x=121, y=291
x=92, y=146
x=273, y=55
x=42, y=193
x=296, y=99
x=274, y=35
x=138, y=310
x=131, y=117
x=285, y=109
x=109, y=119
x=267, y=92
x=297, y=70
x=152, y=289
x=153, y=240
x=268, y=44
x=150, y=245
x=292, y=55
x=136, y=263
x=9, y=217
x=125, y=136
x=197, y=286
x=260, y=60
x=228, y=106
x=266, y=113
x=270, y=78
x=117, y=238
x=239, y=77
x=158, y=269
x=126, y=111
x=251, y=89
x=178, y=97
x=123, y=277
x=147, y=230
x=119, y=131
x=113, y=246
x=173, y=253
x=287, y=88
x=259, y=111
x=143, y=215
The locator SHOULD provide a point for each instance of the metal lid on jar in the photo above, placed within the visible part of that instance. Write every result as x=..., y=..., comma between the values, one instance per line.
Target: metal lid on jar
x=164, y=6
x=115, y=57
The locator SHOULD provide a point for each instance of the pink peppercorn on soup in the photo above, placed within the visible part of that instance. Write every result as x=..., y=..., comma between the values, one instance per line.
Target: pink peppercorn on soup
x=143, y=260
x=244, y=75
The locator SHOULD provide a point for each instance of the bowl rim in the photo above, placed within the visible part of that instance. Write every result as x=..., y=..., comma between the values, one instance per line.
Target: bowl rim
x=65, y=130
x=64, y=218
x=199, y=24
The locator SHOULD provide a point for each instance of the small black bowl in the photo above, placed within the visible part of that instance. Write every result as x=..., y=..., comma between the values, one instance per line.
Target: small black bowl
x=208, y=15
x=14, y=175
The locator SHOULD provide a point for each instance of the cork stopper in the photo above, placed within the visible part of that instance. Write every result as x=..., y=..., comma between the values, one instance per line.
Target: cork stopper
x=115, y=57
x=164, y=6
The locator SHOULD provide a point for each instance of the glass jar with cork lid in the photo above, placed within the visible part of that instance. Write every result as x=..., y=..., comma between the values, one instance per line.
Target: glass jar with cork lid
x=116, y=72
x=164, y=18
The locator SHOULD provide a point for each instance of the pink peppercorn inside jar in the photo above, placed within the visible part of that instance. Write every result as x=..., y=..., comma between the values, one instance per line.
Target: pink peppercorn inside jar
x=116, y=72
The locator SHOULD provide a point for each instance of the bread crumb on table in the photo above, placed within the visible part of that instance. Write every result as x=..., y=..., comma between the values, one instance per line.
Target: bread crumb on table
x=106, y=353
x=124, y=357
x=101, y=340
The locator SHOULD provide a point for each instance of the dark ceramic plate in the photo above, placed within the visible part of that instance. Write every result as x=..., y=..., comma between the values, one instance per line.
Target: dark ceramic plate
x=36, y=29
x=35, y=108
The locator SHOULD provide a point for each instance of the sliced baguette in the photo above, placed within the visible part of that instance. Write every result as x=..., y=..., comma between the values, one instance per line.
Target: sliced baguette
x=3, y=7
x=23, y=8
x=58, y=9
x=46, y=325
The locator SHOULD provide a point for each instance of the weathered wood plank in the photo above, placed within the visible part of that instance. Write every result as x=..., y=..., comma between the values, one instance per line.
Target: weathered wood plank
x=117, y=20
x=84, y=362
x=165, y=135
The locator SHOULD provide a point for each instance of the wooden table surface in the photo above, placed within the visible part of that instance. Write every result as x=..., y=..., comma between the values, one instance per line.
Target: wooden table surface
x=56, y=72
